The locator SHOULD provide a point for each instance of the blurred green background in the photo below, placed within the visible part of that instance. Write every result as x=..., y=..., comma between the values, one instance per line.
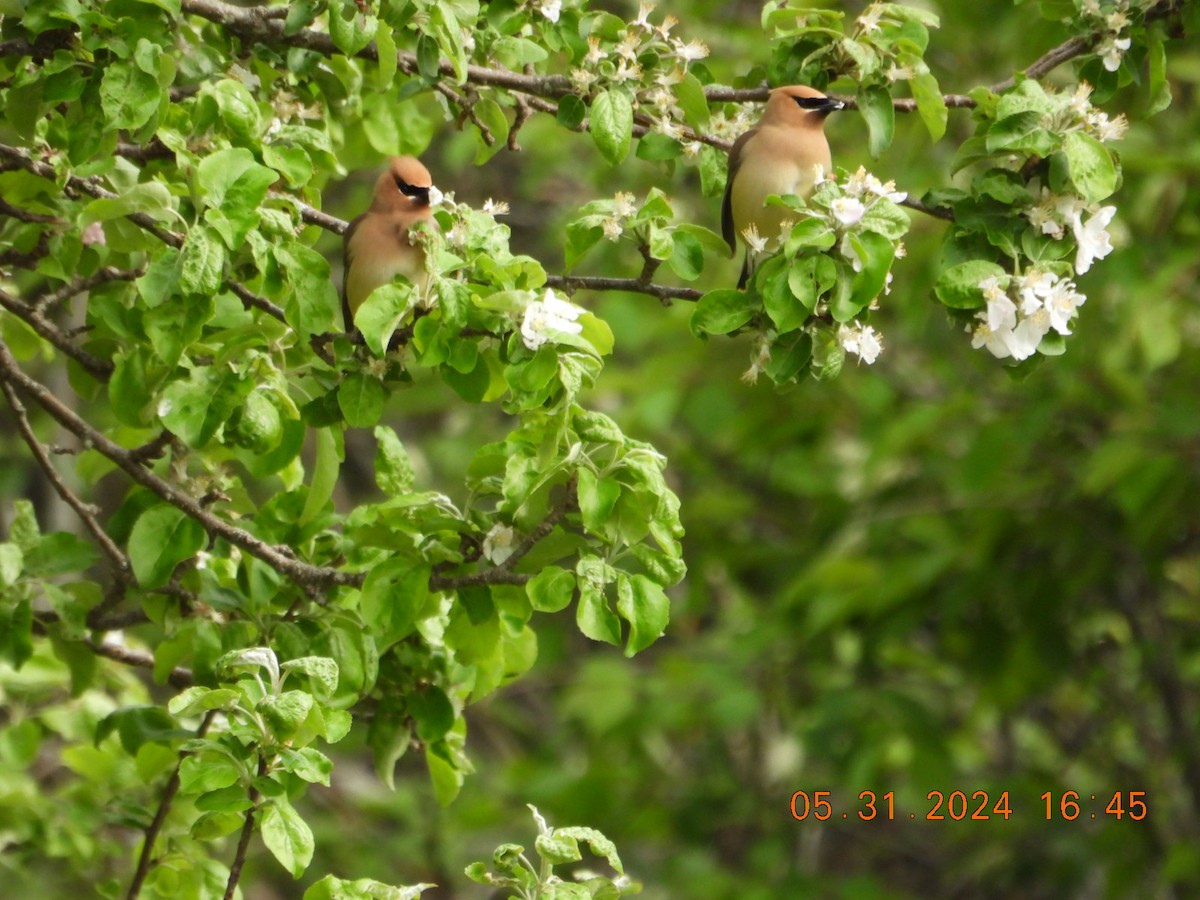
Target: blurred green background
x=922, y=576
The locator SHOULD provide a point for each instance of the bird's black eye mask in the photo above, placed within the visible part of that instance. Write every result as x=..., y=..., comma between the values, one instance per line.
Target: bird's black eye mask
x=419, y=194
x=824, y=105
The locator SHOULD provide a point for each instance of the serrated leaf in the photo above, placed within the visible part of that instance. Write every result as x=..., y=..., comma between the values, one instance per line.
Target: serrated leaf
x=931, y=105
x=722, y=311
x=393, y=469
x=551, y=589
x=321, y=670
x=287, y=836
x=162, y=538
x=875, y=105
x=644, y=605
x=612, y=124
x=958, y=286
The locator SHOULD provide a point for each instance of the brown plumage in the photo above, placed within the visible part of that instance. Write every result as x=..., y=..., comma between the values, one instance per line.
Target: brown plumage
x=776, y=156
x=376, y=246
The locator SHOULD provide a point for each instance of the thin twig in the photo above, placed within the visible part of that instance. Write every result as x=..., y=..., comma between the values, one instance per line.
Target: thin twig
x=49, y=300
x=160, y=816
x=87, y=514
x=100, y=369
x=567, y=502
x=239, y=858
x=178, y=677
x=663, y=292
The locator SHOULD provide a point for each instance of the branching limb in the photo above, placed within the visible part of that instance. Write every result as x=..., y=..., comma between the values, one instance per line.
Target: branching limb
x=566, y=503
x=239, y=858
x=100, y=369
x=312, y=579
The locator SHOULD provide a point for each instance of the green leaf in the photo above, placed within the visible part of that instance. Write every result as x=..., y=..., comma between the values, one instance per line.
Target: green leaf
x=1159, y=87
x=644, y=605
x=393, y=469
x=11, y=561
x=350, y=26
x=597, y=498
x=393, y=596
x=150, y=197
x=722, y=311
x=321, y=670
x=204, y=772
x=199, y=699
x=875, y=105
x=58, y=553
x=233, y=186
x=433, y=712
x=381, y=314
x=129, y=97
x=287, y=836
x=286, y=712
x=958, y=286
x=930, y=104
x=593, y=615
x=1085, y=165
x=312, y=307
x=551, y=589
x=202, y=262
x=360, y=397
x=162, y=538
x=690, y=94
x=325, y=474
x=489, y=114
x=612, y=124
x=332, y=888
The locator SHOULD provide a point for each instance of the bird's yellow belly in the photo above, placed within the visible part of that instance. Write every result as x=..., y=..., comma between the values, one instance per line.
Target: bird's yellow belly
x=369, y=272
x=751, y=189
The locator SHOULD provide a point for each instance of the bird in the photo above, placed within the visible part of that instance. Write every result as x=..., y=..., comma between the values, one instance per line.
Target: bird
x=377, y=245
x=779, y=155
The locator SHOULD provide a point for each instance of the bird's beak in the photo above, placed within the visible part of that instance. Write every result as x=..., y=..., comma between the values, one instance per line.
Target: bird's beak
x=832, y=105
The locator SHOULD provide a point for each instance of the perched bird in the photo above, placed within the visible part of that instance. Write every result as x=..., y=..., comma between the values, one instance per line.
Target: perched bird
x=377, y=246
x=776, y=156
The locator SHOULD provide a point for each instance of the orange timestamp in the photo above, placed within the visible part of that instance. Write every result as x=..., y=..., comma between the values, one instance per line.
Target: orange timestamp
x=957, y=806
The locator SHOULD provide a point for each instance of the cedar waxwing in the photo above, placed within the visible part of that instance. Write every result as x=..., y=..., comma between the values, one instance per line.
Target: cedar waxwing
x=776, y=156
x=377, y=246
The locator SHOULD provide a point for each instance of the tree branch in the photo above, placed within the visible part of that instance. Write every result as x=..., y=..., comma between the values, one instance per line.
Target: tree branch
x=239, y=858
x=87, y=514
x=663, y=292
x=93, y=188
x=312, y=579
x=50, y=299
x=160, y=816
x=568, y=502
x=179, y=677
x=100, y=369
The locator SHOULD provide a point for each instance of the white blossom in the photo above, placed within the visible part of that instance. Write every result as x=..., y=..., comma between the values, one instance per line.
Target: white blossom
x=624, y=204
x=1034, y=287
x=1112, y=50
x=1062, y=304
x=643, y=16
x=499, y=544
x=668, y=23
x=1093, y=238
x=869, y=20
x=862, y=340
x=1024, y=339
x=495, y=207
x=612, y=229
x=995, y=341
x=847, y=210
x=1107, y=129
x=754, y=241
x=551, y=9
x=595, y=53
x=543, y=318
x=691, y=51
x=583, y=79
x=1001, y=313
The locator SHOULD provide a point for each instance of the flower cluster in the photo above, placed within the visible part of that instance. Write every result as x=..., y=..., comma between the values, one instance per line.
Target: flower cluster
x=1055, y=213
x=861, y=340
x=1074, y=112
x=624, y=58
x=1021, y=310
x=548, y=317
x=1112, y=23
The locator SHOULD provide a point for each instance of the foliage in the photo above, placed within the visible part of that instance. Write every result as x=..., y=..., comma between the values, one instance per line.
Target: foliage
x=928, y=580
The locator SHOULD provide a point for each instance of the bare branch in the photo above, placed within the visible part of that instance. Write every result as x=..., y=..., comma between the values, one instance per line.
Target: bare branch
x=24, y=215
x=664, y=292
x=239, y=858
x=566, y=503
x=50, y=299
